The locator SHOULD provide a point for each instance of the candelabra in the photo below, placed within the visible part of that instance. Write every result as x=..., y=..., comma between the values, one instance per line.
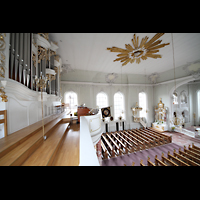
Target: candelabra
x=41, y=83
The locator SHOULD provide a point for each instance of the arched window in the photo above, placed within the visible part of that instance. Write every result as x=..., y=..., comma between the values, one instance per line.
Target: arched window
x=72, y=101
x=142, y=104
x=119, y=106
x=102, y=100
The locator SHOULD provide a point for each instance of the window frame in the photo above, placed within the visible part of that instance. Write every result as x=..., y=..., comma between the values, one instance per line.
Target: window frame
x=106, y=100
x=74, y=105
x=123, y=106
x=143, y=108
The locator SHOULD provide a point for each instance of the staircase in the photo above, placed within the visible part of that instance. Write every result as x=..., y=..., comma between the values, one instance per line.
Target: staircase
x=143, y=123
x=27, y=146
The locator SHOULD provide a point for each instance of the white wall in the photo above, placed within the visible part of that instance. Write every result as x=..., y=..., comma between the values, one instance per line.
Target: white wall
x=87, y=94
x=165, y=91
x=24, y=107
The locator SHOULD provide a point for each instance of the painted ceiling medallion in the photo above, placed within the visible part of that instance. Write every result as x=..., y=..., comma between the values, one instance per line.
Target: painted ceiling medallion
x=139, y=51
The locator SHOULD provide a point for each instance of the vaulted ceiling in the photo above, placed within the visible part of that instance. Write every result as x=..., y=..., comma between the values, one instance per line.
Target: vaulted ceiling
x=88, y=51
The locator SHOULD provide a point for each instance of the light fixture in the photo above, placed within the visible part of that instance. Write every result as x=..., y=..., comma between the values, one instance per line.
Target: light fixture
x=41, y=83
x=175, y=120
x=139, y=51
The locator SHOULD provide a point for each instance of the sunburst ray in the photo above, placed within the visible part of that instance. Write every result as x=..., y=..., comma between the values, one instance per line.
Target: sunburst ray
x=139, y=51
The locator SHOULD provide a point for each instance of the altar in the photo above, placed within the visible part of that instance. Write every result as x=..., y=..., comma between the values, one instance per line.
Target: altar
x=160, y=127
x=160, y=117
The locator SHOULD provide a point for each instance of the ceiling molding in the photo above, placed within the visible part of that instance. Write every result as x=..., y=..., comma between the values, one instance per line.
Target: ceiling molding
x=129, y=84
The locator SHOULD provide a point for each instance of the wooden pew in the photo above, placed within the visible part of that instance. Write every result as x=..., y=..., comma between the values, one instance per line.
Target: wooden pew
x=122, y=144
x=159, y=162
x=194, y=149
x=135, y=145
x=189, y=155
x=127, y=140
x=133, y=164
x=164, y=159
x=141, y=163
x=105, y=151
x=169, y=138
x=146, y=138
x=184, y=158
x=160, y=138
x=149, y=162
x=139, y=143
x=120, y=151
x=150, y=133
x=112, y=152
x=176, y=160
x=156, y=139
x=192, y=152
x=139, y=140
x=131, y=138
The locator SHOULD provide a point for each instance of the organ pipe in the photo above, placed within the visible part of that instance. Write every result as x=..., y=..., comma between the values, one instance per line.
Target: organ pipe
x=16, y=54
x=21, y=66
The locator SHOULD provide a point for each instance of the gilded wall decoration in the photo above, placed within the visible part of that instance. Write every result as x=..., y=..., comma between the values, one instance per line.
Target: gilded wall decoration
x=3, y=95
x=141, y=50
x=2, y=55
x=2, y=65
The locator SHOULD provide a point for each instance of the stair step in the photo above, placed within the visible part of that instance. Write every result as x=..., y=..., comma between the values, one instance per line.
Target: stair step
x=45, y=153
x=10, y=142
x=19, y=154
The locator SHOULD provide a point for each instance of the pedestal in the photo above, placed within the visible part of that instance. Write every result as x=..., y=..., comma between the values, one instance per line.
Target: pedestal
x=160, y=127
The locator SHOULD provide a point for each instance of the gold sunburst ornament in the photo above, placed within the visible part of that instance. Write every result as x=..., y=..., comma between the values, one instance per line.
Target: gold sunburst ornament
x=139, y=51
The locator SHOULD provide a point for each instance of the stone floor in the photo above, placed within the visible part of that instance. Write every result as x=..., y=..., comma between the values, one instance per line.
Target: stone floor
x=181, y=139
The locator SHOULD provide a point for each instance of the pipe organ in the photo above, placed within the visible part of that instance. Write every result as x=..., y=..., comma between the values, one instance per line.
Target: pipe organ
x=32, y=54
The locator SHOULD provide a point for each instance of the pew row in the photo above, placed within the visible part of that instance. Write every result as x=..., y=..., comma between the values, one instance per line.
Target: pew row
x=129, y=141
x=188, y=157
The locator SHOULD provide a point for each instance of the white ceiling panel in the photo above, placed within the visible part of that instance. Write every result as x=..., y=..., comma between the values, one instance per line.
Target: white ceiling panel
x=88, y=51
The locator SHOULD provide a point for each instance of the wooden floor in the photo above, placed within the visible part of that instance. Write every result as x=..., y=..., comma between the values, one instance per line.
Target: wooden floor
x=68, y=154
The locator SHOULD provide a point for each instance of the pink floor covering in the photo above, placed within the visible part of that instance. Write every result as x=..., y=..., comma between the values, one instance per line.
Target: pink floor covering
x=181, y=139
x=178, y=141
